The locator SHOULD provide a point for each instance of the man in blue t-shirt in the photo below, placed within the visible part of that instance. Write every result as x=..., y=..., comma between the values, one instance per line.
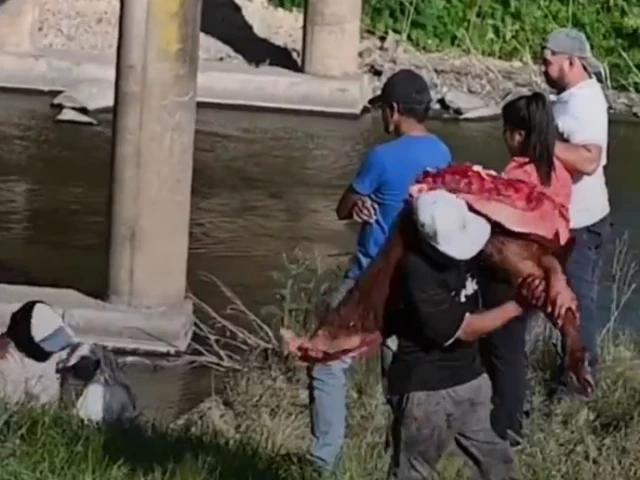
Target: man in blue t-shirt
x=374, y=198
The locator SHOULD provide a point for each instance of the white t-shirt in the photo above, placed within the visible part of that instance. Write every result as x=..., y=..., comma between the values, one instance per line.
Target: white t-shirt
x=582, y=116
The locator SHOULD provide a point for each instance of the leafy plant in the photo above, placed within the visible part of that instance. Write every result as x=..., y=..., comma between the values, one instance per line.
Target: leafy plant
x=511, y=29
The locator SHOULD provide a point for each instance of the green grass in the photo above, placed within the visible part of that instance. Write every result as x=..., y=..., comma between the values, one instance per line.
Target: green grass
x=511, y=29
x=266, y=439
x=257, y=426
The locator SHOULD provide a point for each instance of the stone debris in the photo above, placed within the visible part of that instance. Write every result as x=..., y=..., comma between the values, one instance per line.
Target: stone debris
x=460, y=102
x=66, y=100
x=68, y=115
x=89, y=96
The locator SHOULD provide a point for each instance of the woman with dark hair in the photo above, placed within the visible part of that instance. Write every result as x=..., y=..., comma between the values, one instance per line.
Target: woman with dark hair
x=530, y=135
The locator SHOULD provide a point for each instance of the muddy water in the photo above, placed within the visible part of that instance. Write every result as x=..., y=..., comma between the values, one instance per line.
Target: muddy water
x=263, y=185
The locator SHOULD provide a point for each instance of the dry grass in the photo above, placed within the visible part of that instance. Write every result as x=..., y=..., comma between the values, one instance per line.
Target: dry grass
x=257, y=426
x=579, y=440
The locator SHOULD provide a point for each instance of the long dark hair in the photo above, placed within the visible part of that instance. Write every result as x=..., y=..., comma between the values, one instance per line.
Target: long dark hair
x=533, y=115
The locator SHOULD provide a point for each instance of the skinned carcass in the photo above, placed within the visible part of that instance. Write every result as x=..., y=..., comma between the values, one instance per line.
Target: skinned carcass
x=528, y=225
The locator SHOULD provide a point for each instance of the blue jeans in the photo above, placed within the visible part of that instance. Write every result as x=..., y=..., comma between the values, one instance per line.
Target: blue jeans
x=328, y=398
x=583, y=270
x=328, y=402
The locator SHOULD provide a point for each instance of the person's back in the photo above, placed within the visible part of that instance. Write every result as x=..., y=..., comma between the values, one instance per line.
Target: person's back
x=560, y=187
x=530, y=134
x=437, y=388
x=422, y=362
x=374, y=198
x=389, y=171
x=582, y=114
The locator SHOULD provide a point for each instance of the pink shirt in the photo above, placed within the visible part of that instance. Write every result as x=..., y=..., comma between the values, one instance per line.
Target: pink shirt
x=521, y=168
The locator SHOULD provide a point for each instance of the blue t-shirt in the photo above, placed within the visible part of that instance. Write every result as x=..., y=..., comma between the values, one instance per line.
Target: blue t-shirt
x=385, y=176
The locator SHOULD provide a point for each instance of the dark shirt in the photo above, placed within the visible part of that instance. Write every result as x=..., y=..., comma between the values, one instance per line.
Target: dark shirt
x=495, y=287
x=437, y=294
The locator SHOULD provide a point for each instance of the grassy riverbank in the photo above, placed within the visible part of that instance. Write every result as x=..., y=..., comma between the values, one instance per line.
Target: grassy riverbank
x=509, y=29
x=595, y=440
x=256, y=428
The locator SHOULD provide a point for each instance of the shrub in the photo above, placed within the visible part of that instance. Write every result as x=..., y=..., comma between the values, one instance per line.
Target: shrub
x=511, y=29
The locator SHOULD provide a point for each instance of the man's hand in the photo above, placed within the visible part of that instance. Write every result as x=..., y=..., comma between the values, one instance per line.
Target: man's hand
x=554, y=298
x=365, y=210
x=532, y=290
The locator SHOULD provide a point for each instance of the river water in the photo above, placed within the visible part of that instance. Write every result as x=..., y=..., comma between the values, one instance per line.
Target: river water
x=264, y=184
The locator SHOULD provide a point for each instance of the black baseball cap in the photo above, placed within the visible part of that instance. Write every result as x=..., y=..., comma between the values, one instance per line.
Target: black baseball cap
x=405, y=87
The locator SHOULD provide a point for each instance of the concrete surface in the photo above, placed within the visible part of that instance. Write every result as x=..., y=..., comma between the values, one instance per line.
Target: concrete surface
x=331, y=37
x=53, y=45
x=156, y=330
x=219, y=83
x=69, y=115
x=276, y=88
x=154, y=130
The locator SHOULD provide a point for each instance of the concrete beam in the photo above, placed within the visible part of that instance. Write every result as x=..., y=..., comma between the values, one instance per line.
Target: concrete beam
x=219, y=83
x=154, y=131
x=278, y=89
x=162, y=330
x=331, y=37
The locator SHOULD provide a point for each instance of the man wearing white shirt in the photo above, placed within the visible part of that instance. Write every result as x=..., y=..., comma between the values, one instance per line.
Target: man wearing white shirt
x=581, y=113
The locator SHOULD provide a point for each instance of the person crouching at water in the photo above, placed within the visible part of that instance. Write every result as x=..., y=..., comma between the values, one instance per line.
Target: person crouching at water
x=530, y=134
x=438, y=390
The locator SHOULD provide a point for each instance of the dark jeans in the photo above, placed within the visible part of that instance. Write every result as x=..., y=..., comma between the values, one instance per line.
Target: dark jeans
x=426, y=424
x=583, y=270
x=504, y=358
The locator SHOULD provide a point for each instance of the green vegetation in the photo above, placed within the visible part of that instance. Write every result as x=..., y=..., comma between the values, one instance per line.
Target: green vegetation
x=512, y=29
x=257, y=429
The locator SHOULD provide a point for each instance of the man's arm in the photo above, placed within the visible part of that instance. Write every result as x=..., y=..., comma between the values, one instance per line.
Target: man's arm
x=476, y=325
x=350, y=197
x=582, y=134
x=580, y=159
x=367, y=180
x=444, y=319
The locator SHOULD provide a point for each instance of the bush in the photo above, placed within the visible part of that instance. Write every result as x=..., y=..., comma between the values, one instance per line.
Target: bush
x=511, y=29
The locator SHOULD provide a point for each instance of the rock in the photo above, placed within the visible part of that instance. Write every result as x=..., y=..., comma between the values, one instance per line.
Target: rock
x=367, y=54
x=482, y=113
x=94, y=95
x=636, y=111
x=66, y=100
x=475, y=88
x=460, y=102
x=390, y=43
x=69, y=115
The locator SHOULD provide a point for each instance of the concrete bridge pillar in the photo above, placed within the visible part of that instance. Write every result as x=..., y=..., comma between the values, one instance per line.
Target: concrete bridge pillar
x=331, y=37
x=153, y=138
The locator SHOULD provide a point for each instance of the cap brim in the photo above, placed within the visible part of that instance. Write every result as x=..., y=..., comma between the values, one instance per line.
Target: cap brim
x=58, y=340
x=469, y=243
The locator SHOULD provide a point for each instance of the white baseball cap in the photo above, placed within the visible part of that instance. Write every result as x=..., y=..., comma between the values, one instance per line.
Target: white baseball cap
x=446, y=222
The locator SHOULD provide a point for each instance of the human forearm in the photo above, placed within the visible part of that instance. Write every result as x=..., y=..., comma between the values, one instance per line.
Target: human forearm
x=551, y=266
x=476, y=325
x=581, y=159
